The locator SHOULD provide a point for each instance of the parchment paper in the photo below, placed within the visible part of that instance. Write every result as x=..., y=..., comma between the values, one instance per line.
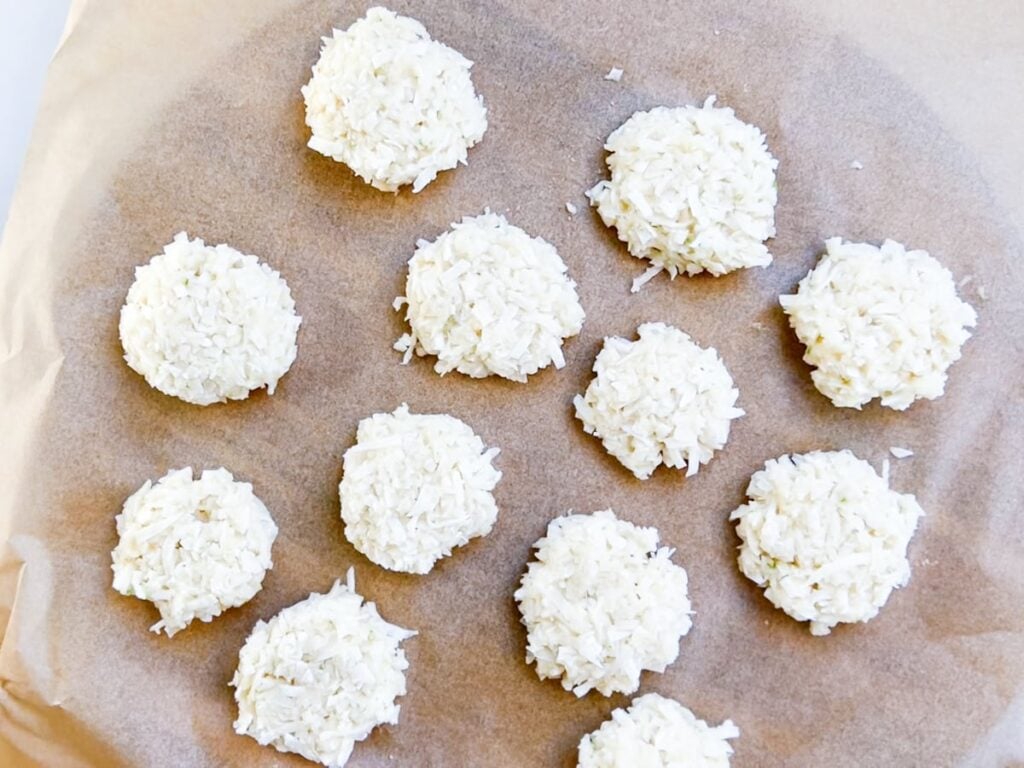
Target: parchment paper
x=186, y=115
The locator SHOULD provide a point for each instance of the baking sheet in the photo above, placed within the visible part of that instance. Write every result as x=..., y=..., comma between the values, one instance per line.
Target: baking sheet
x=187, y=115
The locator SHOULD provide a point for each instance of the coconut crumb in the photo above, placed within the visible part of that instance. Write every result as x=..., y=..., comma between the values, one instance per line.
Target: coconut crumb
x=965, y=281
x=614, y=74
x=857, y=165
x=572, y=209
x=643, y=279
x=982, y=293
x=900, y=453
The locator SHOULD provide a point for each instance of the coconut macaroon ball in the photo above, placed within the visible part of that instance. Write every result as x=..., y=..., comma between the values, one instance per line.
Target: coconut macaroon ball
x=487, y=299
x=659, y=400
x=826, y=537
x=878, y=322
x=208, y=324
x=390, y=103
x=692, y=189
x=416, y=486
x=320, y=676
x=602, y=603
x=193, y=547
x=657, y=732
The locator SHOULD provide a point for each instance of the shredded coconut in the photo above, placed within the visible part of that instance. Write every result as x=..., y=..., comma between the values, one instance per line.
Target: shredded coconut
x=878, y=322
x=320, y=676
x=194, y=548
x=486, y=298
x=614, y=74
x=982, y=292
x=572, y=209
x=656, y=732
x=901, y=453
x=601, y=603
x=416, y=486
x=692, y=189
x=207, y=324
x=826, y=537
x=857, y=165
x=660, y=400
x=391, y=103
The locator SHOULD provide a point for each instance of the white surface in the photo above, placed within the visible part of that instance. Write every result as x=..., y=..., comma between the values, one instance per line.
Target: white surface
x=29, y=31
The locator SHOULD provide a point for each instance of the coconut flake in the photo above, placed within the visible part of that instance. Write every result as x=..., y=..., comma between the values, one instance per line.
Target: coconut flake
x=488, y=299
x=614, y=74
x=572, y=209
x=857, y=165
x=692, y=189
x=878, y=322
x=193, y=547
x=826, y=537
x=901, y=453
x=416, y=486
x=601, y=603
x=392, y=104
x=320, y=676
x=660, y=400
x=657, y=732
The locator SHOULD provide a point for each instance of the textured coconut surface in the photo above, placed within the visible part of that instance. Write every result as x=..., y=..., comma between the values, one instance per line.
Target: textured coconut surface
x=184, y=114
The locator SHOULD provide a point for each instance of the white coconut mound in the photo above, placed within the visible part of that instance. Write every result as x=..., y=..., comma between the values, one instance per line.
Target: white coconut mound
x=660, y=400
x=692, y=189
x=486, y=298
x=826, y=537
x=390, y=103
x=207, y=324
x=416, y=486
x=878, y=322
x=602, y=603
x=193, y=547
x=320, y=676
x=656, y=732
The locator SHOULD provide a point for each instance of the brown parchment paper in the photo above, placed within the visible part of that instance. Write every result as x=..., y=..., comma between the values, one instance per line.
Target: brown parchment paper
x=186, y=115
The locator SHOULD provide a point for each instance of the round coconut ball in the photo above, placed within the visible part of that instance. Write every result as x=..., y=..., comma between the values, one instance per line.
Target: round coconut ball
x=320, y=676
x=208, y=324
x=826, y=537
x=692, y=189
x=486, y=298
x=878, y=322
x=193, y=547
x=656, y=732
x=414, y=487
x=390, y=103
x=602, y=603
x=659, y=400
